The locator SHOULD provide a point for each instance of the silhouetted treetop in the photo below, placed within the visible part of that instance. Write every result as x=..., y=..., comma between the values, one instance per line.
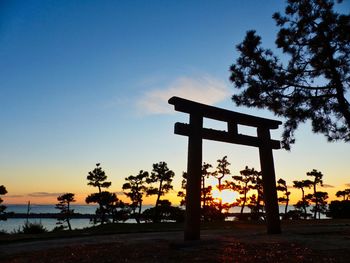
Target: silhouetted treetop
x=97, y=178
x=312, y=82
x=343, y=193
x=104, y=199
x=162, y=176
x=135, y=188
x=63, y=205
x=3, y=191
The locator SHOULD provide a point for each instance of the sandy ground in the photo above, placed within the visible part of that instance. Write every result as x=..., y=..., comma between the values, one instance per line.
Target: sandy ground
x=300, y=242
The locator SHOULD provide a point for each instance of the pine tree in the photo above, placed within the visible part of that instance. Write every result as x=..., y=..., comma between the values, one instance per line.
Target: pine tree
x=344, y=193
x=162, y=176
x=221, y=171
x=303, y=203
x=3, y=191
x=311, y=82
x=66, y=212
x=282, y=187
x=244, y=185
x=318, y=198
x=97, y=178
x=135, y=188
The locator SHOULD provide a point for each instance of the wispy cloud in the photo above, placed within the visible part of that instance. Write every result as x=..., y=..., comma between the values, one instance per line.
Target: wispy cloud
x=348, y=185
x=13, y=196
x=327, y=186
x=206, y=89
x=43, y=194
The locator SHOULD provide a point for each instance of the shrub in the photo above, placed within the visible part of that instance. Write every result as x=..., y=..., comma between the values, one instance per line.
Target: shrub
x=339, y=209
x=210, y=213
x=165, y=211
x=33, y=228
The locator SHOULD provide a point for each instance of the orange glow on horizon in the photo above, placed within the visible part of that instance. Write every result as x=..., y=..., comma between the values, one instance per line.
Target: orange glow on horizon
x=226, y=196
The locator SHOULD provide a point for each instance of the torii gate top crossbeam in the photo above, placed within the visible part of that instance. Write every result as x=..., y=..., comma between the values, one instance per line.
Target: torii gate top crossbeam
x=230, y=117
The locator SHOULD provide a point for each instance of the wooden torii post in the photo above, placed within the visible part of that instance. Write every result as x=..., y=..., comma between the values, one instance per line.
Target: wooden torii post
x=196, y=133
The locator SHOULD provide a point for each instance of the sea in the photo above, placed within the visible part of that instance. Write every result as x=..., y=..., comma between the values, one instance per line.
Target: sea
x=12, y=225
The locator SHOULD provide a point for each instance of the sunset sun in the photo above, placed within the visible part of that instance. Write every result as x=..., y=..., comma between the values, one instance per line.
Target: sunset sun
x=226, y=196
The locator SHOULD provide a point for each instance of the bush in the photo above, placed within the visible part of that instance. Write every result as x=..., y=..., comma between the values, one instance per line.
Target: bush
x=211, y=213
x=33, y=228
x=293, y=214
x=339, y=209
x=166, y=212
x=58, y=228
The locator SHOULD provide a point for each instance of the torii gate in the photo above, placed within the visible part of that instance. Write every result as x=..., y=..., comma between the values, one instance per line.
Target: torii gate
x=196, y=133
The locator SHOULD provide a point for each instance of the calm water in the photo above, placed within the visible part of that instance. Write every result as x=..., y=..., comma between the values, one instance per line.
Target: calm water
x=36, y=209
x=13, y=224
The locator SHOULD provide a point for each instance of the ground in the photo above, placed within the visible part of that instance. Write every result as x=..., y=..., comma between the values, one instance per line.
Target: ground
x=301, y=241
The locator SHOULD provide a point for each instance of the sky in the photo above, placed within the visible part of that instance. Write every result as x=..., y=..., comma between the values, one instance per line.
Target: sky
x=86, y=82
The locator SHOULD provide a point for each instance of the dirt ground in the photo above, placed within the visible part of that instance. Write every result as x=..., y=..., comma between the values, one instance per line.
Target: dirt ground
x=303, y=241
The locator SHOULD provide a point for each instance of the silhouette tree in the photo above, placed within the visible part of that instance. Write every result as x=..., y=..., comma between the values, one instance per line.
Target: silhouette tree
x=205, y=190
x=165, y=211
x=303, y=203
x=282, y=187
x=317, y=197
x=3, y=191
x=63, y=205
x=209, y=211
x=163, y=176
x=97, y=178
x=182, y=193
x=221, y=171
x=312, y=81
x=344, y=193
x=108, y=203
x=135, y=189
x=339, y=209
x=256, y=201
x=244, y=185
x=118, y=210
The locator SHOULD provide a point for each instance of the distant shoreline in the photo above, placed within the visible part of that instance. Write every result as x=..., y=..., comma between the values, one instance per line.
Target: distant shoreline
x=48, y=215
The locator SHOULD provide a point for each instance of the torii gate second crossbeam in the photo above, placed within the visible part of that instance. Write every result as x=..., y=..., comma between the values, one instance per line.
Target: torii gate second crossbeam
x=196, y=133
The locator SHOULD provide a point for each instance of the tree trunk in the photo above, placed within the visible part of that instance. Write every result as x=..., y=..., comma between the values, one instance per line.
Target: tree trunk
x=316, y=202
x=139, y=213
x=203, y=191
x=244, y=201
x=344, y=106
x=286, y=207
x=68, y=219
x=304, y=205
x=220, y=203
x=156, y=216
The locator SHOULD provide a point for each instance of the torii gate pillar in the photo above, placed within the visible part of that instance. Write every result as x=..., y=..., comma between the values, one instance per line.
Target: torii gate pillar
x=269, y=182
x=196, y=133
x=193, y=186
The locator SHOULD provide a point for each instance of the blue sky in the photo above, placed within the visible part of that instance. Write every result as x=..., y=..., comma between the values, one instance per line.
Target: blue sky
x=87, y=81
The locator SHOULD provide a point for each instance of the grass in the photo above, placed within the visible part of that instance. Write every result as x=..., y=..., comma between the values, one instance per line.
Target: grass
x=124, y=228
x=106, y=229
x=115, y=228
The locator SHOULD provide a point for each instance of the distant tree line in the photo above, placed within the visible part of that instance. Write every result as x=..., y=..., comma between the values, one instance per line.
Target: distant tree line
x=158, y=183
x=248, y=186
x=3, y=191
